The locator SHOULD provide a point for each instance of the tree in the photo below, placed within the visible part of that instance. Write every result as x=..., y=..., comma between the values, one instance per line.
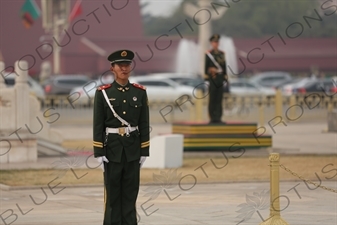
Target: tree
x=256, y=18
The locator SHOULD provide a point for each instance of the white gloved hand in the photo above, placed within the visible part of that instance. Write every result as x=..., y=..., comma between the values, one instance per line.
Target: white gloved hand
x=101, y=160
x=142, y=160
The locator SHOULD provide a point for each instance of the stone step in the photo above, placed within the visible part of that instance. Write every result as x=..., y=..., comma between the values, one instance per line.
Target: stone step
x=222, y=136
x=221, y=128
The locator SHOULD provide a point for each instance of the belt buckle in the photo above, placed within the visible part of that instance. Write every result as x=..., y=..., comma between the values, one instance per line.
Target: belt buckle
x=121, y=131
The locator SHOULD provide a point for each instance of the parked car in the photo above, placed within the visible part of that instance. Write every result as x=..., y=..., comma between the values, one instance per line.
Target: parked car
x=161, y=89
x=289, y=88
x=244, y=87
x=63, y=84
x=35, y=88
x=85, y=93
x=184, y=79
x=327, y=85
x=270, y=78
x=286, y=82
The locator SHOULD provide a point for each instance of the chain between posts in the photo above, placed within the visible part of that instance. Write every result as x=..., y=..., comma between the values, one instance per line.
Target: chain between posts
x=306, y=180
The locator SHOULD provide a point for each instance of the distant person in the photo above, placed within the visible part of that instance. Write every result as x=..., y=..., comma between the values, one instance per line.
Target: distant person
x=45, y=73
x=121, y=139
x=216, y=75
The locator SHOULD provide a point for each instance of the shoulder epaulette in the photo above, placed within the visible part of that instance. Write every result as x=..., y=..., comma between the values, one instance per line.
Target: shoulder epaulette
x=139, y=86
x=104, y=87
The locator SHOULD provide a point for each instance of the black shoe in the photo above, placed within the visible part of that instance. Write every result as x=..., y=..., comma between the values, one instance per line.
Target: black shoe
x=217, y=122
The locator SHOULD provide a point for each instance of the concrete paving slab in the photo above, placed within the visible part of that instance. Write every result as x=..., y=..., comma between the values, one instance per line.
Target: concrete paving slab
x=187, y=204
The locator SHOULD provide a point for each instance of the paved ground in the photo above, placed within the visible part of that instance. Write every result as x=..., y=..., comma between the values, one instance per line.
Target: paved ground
x=192, y=203
x=224, y=204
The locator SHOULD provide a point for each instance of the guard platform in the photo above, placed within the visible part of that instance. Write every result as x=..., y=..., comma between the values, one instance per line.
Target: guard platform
x=220, y=136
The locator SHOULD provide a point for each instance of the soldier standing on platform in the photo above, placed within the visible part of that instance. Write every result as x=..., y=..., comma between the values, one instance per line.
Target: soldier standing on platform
x=215, y=73
x=121, y=139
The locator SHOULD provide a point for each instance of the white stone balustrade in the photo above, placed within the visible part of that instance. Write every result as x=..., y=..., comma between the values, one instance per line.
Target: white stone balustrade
x=21, y=119
x=16, y=143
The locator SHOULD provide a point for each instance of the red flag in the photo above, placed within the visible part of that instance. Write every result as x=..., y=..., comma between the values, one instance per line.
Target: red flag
x=27, y=20
x=76, y=11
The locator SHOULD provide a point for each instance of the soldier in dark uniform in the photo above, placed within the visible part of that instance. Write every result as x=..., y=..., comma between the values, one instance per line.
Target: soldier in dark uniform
x=121, y=139
x=215, y=73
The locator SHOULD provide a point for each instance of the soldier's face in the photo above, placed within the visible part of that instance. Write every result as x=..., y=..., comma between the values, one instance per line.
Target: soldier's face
x=215, y=44
x=121, y=71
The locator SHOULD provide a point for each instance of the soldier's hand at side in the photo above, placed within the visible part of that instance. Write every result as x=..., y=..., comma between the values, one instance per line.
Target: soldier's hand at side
x=212, y=71
x=142, y=160
x=101, y=160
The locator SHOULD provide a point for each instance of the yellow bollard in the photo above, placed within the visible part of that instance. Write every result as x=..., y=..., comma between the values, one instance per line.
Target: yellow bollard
x=275, y=216
x=330, y=107
x=199, y=100
x=192, y=113
x=292, y=110
x=261, y=111
x=278, y=103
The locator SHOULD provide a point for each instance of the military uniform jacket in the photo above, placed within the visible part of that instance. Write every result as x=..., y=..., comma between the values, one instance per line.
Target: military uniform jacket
x=129, y=102
x=219, y=56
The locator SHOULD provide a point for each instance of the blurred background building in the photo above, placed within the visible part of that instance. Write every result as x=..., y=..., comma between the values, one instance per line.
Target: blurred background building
x=97, y=28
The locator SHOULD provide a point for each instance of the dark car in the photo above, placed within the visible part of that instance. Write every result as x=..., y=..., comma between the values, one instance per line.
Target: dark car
x=327, y=85
x=63, y=84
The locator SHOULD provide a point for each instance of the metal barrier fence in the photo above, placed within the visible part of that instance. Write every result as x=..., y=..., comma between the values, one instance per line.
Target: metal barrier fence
x=195, y=108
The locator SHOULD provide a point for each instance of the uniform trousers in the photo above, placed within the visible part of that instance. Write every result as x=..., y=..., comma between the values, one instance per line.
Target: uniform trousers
x=121, y=190
x=215, y=101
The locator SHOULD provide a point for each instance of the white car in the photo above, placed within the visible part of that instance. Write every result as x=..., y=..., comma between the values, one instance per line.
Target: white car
x=158, y=90
x=86, y=93
x=163, y=90
x=270, y=78
x=244, y=87
x=187, y=79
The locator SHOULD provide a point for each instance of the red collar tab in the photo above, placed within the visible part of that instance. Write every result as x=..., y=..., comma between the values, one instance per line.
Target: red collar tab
x=139, y=86
x=104, y=87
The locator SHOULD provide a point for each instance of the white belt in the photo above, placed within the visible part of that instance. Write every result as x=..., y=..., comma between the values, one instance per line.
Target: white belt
x=120, y=130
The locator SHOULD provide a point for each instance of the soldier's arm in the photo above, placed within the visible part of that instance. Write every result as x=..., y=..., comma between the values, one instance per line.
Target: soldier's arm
x=210, y=70
x=98, y=127
x=206, y=74
x=224, y=69
x=224, y=66
x=144, y=127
